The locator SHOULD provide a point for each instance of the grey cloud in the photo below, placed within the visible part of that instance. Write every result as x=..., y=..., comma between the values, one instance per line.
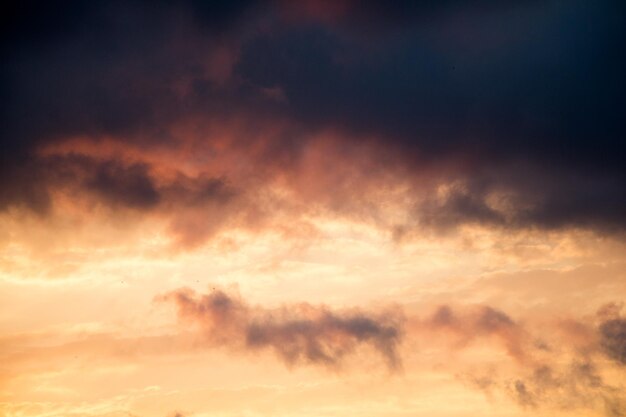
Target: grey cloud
x=297, y=334
x=613, y=339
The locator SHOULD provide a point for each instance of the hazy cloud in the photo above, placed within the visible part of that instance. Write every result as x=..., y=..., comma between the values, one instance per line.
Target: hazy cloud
x=298, y=333
x=613, y=339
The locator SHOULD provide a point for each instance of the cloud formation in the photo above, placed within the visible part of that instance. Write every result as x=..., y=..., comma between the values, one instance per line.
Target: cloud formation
x=572, y=385
x=613, y=339
x=498, y=115
x=562, y=366
x=297, y=334
x=480, y=323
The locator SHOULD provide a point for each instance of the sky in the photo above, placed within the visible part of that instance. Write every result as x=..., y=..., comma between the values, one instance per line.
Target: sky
x=319, y=208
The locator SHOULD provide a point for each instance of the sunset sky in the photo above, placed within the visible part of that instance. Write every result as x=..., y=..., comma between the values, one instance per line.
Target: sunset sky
x=316, y=208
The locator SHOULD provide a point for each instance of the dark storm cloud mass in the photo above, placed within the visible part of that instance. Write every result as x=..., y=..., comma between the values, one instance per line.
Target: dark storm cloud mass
x=96, y=70
x=541, y=79
x=528, y=95
x=531, y=96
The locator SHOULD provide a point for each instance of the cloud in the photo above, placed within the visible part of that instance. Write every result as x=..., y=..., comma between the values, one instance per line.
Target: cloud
x=510, y=107
x=560, y=366
x=427, y=93
x=524, y=197
x=613, y=339
x=569, y=376
x=302, y=333
x=571, y=385
x=129, y=186
x=517, y=114
x=476, y=324
x=297, y=334
x=548, y=368
x=119, y=183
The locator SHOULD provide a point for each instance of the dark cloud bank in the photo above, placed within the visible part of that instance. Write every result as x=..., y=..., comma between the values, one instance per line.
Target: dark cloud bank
x=526, y=97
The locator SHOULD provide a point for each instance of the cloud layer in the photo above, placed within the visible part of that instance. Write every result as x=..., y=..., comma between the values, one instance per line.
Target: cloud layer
x=498, y=115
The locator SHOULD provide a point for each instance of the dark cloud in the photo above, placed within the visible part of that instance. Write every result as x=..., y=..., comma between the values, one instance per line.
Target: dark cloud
x=524, y=97
x=127, y=70
x=613, y=339
x=518, y=88
x=612, y=331
x=130, y=186
x=302, y=333
x=133, y=185
x=35, y=21
x=379, y=17
x=525, y=196
x=297, y=334
x=22, y=184
x=195, y=207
